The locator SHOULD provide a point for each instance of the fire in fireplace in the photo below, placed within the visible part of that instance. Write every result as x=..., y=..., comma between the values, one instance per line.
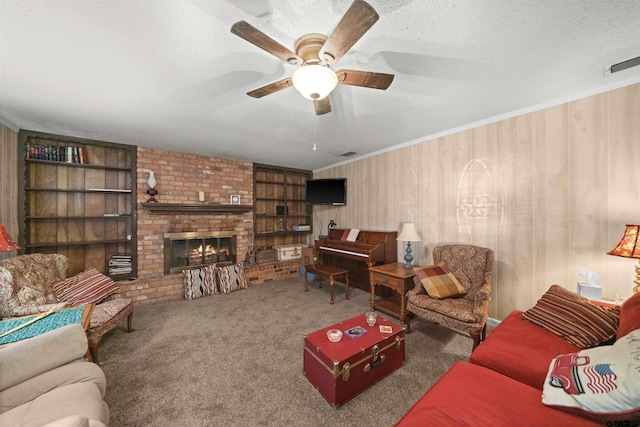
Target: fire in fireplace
x=188, y=250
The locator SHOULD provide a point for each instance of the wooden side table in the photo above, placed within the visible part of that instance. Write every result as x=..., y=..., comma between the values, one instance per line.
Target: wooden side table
x=398, y=278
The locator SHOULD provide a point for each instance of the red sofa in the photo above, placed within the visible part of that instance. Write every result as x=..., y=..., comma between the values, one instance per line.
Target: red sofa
x=503, y=381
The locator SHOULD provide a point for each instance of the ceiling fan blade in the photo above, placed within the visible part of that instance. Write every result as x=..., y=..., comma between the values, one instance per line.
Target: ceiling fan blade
x=365, y=79
x=251, y=34
x=356, y=21
x=323, y=106
x=271, y=88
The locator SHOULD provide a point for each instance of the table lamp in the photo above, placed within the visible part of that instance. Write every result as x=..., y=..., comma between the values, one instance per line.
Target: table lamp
x=408, y=234
x=6, y=243
x=629, y=248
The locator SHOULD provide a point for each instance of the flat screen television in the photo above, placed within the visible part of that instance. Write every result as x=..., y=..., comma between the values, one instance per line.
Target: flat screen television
x=328, y=191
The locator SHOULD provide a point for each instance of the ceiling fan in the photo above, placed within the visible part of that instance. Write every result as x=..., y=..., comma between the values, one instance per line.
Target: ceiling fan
x=315, y=53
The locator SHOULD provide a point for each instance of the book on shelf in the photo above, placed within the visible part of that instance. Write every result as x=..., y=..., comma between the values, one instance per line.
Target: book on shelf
x=115, y=263
x=120, y=255
x=120, y=262
x=55, y=153
x=120, y=270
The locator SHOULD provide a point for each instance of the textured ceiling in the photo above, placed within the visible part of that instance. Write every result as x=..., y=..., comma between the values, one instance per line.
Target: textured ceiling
x=169, y=74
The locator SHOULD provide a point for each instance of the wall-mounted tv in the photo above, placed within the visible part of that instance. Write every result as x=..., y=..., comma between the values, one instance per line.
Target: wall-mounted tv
x=328, y=191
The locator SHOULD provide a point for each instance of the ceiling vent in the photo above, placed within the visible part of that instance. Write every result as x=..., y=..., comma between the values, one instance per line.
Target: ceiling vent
x=623, y=65
x=348, y=154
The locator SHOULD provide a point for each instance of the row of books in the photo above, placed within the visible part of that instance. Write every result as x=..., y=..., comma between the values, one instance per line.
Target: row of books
x=120, y=264
x=57, y=153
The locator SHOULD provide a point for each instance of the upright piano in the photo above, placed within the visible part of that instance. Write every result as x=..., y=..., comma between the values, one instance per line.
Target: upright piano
x=369, y=248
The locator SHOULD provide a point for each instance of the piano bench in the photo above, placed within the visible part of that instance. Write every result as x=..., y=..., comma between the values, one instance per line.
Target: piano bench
x=328, y=272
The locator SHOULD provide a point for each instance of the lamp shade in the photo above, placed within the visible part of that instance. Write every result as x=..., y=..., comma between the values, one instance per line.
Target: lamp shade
x=409, y=233
x=628, y=246
x=6, y=243
x=152, y=179
x=314, y=81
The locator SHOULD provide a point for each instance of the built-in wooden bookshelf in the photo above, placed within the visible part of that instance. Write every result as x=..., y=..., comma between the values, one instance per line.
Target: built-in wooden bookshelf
x=79, y=200
x=279, y=205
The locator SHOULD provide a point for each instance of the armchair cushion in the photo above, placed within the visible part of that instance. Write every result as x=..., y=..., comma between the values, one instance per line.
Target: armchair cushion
x=573, y=318
x=89, y=286
x=31, y=357
x=25, y=283
x=438, y=281
x=460, y=309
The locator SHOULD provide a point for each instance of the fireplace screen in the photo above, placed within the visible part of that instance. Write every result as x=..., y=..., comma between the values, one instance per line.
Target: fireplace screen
x=194, y=249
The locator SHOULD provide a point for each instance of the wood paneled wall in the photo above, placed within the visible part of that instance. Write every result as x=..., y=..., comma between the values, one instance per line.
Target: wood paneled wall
x=9, y=184
x=549, y=191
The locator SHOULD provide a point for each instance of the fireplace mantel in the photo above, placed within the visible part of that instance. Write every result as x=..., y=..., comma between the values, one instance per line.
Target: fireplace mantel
x=200, y=208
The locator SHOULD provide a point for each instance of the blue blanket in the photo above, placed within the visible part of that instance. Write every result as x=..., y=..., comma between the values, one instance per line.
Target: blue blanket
x=48, y=323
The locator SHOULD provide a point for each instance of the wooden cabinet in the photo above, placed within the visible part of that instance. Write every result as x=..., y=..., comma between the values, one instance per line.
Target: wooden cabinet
x=79, y=200
x=279, y=205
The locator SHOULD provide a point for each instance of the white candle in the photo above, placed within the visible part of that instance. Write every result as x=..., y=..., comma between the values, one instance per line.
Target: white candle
x=201, y=196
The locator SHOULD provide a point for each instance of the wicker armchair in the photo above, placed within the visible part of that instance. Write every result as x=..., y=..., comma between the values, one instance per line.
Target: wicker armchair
x=472, y=266
x=26, y=288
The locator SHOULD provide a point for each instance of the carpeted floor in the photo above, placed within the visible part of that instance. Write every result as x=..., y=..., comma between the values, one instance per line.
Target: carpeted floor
x=236, y=360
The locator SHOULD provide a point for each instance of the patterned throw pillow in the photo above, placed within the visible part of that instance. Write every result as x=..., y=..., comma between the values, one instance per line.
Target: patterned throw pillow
x=573, y=318
x=438, y=281
x=231, y=278
x=25, y=284
x=601, y=382
x=199, y=282
x=89, y=286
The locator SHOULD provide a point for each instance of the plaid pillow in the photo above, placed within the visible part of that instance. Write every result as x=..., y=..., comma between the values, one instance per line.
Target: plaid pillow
x=573, y=317
x=438, y=281
x=89, y=286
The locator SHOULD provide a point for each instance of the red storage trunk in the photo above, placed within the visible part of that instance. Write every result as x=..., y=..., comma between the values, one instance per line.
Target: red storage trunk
x=340, y=371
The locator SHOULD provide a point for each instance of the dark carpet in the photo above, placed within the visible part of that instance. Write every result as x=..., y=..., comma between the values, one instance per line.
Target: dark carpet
x=236, y=360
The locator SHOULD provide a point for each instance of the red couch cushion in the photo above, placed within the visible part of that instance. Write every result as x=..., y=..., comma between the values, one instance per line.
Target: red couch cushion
x=629, y=316
x=520, y=350
x=471, y=395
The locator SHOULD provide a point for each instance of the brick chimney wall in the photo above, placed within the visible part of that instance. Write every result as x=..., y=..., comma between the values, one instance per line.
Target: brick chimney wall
x=180, y=176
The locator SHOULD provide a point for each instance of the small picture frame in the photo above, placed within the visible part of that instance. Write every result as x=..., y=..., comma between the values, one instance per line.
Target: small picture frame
x=234, y=199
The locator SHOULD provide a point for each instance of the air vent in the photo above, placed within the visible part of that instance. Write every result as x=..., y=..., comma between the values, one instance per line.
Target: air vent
x=623, y=65
x=348, y=154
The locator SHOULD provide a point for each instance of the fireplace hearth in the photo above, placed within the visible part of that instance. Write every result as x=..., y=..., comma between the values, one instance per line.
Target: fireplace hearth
x=183, y=251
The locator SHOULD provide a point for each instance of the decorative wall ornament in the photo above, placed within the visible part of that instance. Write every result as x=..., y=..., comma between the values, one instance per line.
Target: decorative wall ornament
x=479, y=195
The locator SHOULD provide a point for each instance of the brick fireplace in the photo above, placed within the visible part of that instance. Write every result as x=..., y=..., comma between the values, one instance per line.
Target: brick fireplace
x=180, y=178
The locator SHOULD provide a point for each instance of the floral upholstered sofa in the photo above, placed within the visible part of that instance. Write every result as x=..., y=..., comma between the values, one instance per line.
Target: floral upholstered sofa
x=38, y=283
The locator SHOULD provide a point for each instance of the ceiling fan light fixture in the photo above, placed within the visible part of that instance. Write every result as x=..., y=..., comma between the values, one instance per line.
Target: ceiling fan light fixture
x=314, y=81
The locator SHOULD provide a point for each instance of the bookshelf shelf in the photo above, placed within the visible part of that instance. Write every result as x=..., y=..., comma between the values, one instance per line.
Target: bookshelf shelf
x=78, y=199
